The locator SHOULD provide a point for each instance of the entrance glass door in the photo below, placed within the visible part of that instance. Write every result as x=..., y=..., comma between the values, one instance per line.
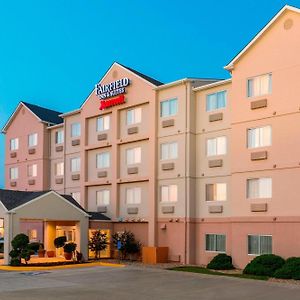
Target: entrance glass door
x=69, y=233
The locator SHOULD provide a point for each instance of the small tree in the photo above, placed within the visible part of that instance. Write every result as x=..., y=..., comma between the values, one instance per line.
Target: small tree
x=98, y=242
x=21, y=249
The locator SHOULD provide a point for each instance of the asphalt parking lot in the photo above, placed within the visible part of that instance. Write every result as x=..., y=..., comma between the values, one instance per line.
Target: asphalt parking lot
x=136, y=283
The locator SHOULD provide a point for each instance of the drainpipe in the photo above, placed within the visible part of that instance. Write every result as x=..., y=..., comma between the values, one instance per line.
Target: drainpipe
x=185, y=179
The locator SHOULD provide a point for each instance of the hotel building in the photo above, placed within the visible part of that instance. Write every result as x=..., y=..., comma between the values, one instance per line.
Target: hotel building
x=201, y=166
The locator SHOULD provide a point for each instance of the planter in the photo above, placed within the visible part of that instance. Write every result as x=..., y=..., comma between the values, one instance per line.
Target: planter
x=68, y=256
x=41, y=253
x=51, y=253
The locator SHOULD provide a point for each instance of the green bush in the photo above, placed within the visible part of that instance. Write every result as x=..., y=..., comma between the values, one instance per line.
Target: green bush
x=264, y=265
x=60, y=241
x=290, y=270
x=20, y=241
x=70, y=247
x=221, y=262
x=20, y=249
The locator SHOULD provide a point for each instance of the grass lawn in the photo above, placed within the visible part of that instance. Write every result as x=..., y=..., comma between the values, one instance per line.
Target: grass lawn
x=217, y=273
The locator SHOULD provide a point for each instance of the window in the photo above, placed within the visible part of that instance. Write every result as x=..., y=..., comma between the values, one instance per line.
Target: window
x=32, y=235
x=259, y=85
x=103, y=160
x=14, y=173
x=215, y=242
x=32, y=139
x=216, y=100
x=76, y=196
x=169, y=193
x=259, y=188
x=134, y=155
x=103, y=123
x=102, y=198
x=32, y=170
x=133, y=195
x=59, y=169
x=216, y=192
x=59, y=137
x=259, y=137
x=14, y=144
x=216, y=146
x=75, y=164
x=259, y=244
x=168, y=151
x=168, y=108
x=75, y=129
x=134, y=116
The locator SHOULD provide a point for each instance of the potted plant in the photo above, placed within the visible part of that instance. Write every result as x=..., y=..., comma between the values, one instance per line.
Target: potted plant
x=41, y=251
x=50, y=253
x=69, y=250
x=59, y=242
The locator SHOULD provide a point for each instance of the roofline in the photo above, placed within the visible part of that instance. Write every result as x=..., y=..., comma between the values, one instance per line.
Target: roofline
x=181, y=81
x=70, y=113
x=230, y=65
x=43, y=195
x=5, y=209
x=211, y=85
x=56, y=126
x=127, y=70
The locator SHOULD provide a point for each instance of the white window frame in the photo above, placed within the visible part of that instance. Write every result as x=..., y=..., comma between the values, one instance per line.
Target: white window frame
x=32, y=140
x=170, y=154
x=75, y=129
x=168, y=189
x=101, y=199
x=260, y=252
x=59, y=137
x=14, y=173
x=103, y=163
x=217, y=146
x=32, y=170
x=134, y=116
x=103, y=123
x=218, y=108
x=260, y=93
x=215, y=235
x=168, y=113
x=261, y=195
x=215, y=186
x=14, y=144
x=134, y=156
x=261, y=143
x=77, y=165
x=136, y=193
x=59, y=169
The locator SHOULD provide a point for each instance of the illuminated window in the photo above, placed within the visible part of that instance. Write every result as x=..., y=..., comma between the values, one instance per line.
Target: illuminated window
x=75, y=130
x=216, y=101
x=32, y=170
x=216, y=192
x=102, y=197
x=259, y=85
x=134, y=116
x=133, y=155
x=75, y=164
x=259, y=137
x=32, y=235
x=103, y=160
x=133, y=195
x=216, y=146
x=59, y=169
x=168, y=151
x=59, y=137
x=259, y=188
x=14, y=173
x=103, y=123
x=169, y=193
x=32, y=140
x=168, y=108
x=14, y=144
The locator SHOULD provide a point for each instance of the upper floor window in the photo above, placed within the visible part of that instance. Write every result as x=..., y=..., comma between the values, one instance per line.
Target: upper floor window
x=259, y=188
x=133, y=195
x=59, y=169
x=14, y=173
x=103, y=123
x=169, y=193
x=259, y=137
x=14, y=144
x=216, y=100
x=32, y=170
x=215, y=242
x=134, y=116
x=133, y=155
x=75, y=164
x=216, y=146
x=259, y=244
x=168, y=107
x=59, y=137
x=75, y=130
x=216, y=192
x=76, y=196
x=102, y=198
x=259, y=85
x=32, y=139
x=103, y=160
x=168, y=151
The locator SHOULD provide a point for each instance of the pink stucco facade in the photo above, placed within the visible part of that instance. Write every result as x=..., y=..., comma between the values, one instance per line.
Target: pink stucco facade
x=199, y=178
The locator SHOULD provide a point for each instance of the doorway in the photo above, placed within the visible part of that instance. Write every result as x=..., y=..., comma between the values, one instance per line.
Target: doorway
x=69, y=232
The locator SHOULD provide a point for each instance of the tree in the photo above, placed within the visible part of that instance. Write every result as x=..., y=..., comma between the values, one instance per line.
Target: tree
x=21, y=249
x=98, y=242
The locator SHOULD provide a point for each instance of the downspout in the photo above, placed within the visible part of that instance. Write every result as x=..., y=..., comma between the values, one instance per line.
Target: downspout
x=185, y=179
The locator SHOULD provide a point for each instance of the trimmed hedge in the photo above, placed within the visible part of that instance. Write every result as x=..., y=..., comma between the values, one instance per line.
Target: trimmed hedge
x=290, y=270
x=221, y=262
x=264, y=265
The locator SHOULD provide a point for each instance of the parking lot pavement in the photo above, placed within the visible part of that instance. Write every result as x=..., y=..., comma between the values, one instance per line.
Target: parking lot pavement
x=136, y=283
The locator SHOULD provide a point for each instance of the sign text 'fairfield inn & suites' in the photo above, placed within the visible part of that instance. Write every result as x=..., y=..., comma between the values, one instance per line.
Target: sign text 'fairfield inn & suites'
x=116, y=88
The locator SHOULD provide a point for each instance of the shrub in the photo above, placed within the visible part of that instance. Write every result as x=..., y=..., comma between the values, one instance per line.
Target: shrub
x=70, y=247
x=20, y=249
x=290, y=270
x=60, y=241
x=98, y=242
x=221, y=262
x=20, y=241
x=264, y=265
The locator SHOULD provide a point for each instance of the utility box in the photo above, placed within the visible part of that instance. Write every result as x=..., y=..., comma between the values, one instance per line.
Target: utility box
x=155, y=255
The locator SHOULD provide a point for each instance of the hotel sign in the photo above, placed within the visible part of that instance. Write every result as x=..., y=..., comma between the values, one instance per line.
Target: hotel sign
x=107, y=91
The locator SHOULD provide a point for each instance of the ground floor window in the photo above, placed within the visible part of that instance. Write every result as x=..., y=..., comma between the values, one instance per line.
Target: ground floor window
x=104, y=253
x=32, y=235
x=215, y=242
x=259, y=244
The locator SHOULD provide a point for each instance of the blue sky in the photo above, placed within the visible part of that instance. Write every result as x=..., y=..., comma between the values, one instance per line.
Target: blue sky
x=53, y=52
